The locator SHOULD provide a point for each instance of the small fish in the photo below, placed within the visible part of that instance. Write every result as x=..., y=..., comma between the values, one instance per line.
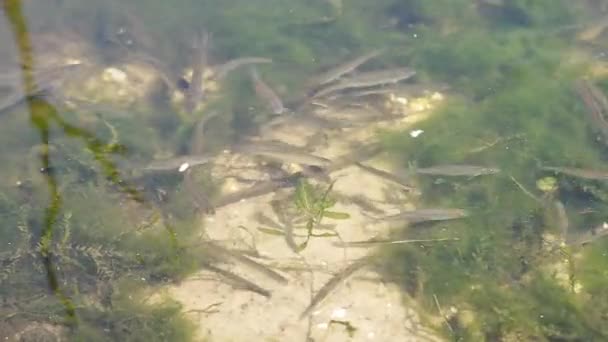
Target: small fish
x=282, y=152
x=456, y=170
x=374, y=242
x=290, y=238
x=331, y=285
x=368, y=79
x=44, y=82
x=364, y=92
x=199, y=198
x=579, y=173
x=344, y=68
x=315, y=172
x=265, y=93
x=312, y=122
x=196, y=90
x=42, y=78
x=197, y=143
x=259, y=189
x=399, y=181
x=216, y=249
x=563, y=224
x=359, y=200
x=590, y=236
x=238, y=280
x=596, y=106
x=594, y=30
x=406, y=89
x=178, y=163
x=298, y=158
x=222, y=70
x=423, y=215
x=360, y=154
x=163, y=72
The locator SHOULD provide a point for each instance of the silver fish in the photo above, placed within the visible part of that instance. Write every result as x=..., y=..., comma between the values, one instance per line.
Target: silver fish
x=44, y=81
x=400, y=181
x=563, y=223
x=164, y=73
x=423, y=215
x=590, y=236
x=177, y=163
x=457, y=170
x=259, y=189
x=217, y=249
x=579, y=173
x=368, y=79
x=220, y=71
x=282, y=152
x=596, y=107
x=344, y=68
x=594, y=30
x=333, y=283
x=196, y=90
x=360, y=154
x=376, y=242
x=408, y=89
x=265, y=93
x=197, y=143
x=238, y=280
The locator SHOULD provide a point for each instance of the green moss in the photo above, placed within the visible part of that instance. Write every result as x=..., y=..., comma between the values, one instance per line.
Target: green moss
x=518, y=113
x=515, y=110
x=130, y=319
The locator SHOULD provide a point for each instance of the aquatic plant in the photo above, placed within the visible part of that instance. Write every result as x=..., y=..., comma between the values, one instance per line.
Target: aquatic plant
x=505, y=257
x=308, y=207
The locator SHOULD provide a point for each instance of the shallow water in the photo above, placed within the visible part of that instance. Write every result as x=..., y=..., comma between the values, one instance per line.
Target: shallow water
x=96, y=249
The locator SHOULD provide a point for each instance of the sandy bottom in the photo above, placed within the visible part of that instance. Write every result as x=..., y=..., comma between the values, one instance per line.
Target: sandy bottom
x=362, y=308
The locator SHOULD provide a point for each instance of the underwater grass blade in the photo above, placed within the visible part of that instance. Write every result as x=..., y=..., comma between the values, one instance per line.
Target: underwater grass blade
x=336, y=215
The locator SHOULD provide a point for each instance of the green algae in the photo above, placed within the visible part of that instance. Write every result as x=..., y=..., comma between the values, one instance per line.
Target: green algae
x=515, y=110
x=520, y=113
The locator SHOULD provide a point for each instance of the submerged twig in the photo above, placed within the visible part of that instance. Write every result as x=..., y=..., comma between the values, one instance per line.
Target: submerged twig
x=441, y=313
x=525, y=191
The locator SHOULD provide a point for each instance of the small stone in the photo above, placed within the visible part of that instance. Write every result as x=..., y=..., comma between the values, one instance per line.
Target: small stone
x=436, y=96
x=183, y=167
x=113, y=74
x=338, y=313
x=415, y=133
x=401, y=100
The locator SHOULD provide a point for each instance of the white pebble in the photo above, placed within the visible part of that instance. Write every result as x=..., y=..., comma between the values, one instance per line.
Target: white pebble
x=114, y=74
x=401, y=100
x=183, y=167
x=437, y=96
x=338, y=313
x=416, y=133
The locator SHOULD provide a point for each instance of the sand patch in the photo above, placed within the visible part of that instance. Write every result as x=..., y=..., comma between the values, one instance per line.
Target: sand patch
x=362, y=308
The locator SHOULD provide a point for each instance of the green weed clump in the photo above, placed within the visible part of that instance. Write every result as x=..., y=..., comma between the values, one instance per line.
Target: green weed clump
x=514, y=108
